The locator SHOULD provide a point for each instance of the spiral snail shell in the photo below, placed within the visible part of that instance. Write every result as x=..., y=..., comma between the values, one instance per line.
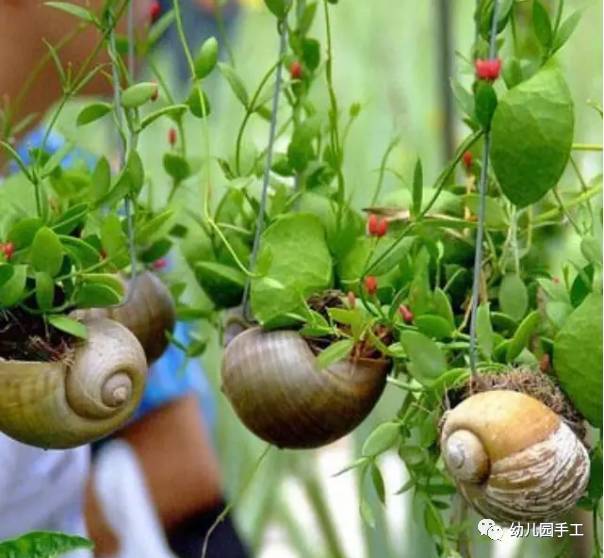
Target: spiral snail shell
x=65, y=404
x=513, y=458
x=280, y=394
x=149, y=313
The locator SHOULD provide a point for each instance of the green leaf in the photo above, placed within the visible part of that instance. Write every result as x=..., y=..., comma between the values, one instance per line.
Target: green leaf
x=195, y=105
x=366, y=513
x=74, y=10
x=97, y=295
x=23, y=232
x=42, y=544
x=383, y=437
x=434, y=326
x=485, y=102
x=92, y=112
x=80, y=251
x=578, y=358
x=513, y=296
x=176, y=166
x=138, y=94
x=160, y=27
x=45, y=290
x=335, y=352
x=114, y=241
x=566, y=30
x=532, y=133
x=378, y=482
x=495, y=216
x=442, y=306
x=68, y=325
x=279, y=8
x=542, y=24
x=222, y=283
x=512, y=72
x=311, y=53
x=13, y=289
x=206, y=58
x=47, y=252
x=294, y=253
x=484, y=330
x=173, y=111
x=68, y=221
x=427, y=361
x=136, y=172
x=101, y=179
x=235, y=82
x=523, y=335
x=418, y=188
x=108, y=279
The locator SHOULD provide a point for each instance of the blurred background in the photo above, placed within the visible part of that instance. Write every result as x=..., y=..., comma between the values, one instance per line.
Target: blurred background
x=388, y=56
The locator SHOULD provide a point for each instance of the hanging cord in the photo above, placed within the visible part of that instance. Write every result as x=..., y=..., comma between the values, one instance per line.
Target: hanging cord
x=122, y=144
x=482, y=184
x=282, y=28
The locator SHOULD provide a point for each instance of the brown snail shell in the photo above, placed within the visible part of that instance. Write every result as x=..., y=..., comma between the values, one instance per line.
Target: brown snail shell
x=513, y=458
x=280, y=394
x=149, y=314
x=66, y=404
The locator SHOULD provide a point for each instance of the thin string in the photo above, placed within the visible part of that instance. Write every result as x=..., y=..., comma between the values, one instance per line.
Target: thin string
x=282, y=27
x=481, y=211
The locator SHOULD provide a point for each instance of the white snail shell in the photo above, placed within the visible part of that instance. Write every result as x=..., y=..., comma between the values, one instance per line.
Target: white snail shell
x=513, y=458
x=276, y=388
x=66, y=404
x=149, y=313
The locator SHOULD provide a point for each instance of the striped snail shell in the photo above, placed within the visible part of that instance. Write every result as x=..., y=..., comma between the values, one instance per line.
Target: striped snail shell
x=149, y=313
x=280, y=394
x=513, y=458
x=56, y=405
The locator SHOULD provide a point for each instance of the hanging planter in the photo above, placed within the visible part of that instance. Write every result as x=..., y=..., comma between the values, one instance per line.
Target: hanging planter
x=86, y=395
x=277, y=389
x=514, y=449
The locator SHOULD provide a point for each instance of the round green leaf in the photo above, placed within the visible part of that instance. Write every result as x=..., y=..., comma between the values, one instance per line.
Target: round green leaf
x=47, y=252
x=434, y=326
x=97, y=295
x=532, y=133
x=206, y=58
x=92, y=112
x=138, y=94
x=196, y=107
x=513, y=296
x=522, y=335
x=578, y=358
x=68, y=325
x=13, y=289
x=45, y=290
x=427, y=361
x=222, y=283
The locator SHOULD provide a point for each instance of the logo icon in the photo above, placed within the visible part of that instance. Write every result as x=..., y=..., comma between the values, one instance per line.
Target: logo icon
x=489, y=528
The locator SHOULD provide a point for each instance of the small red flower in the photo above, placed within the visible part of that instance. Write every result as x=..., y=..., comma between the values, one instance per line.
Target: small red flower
x=295, y=70
x=172, y=137
x=488, y=69
x=155, y=94
x=467, y=160
x=154, y=11
x=8, y=250
x=382, y=227
x=371, y=285
x=406, y=314
x=162, y=263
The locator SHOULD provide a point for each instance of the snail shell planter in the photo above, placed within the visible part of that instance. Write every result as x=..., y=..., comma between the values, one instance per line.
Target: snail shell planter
x=276, y=388
x=149, y=313
x=513, y=458
x=68, y=403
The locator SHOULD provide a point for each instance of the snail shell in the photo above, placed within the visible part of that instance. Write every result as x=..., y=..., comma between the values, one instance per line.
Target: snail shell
x=66, y=404
x=149, y=314
x=278, y=391
x=513, y=458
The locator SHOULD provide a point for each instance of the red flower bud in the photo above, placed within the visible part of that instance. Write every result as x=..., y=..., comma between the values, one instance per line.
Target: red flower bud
x=352, y=300
x=8, y=250
x=544, y=363
x=406, y=314
x=160, y=264
x=154, y=11
x=295, y=70
x=155, y=94
x=371, y=285
x=382, y=227
x=467, y=160
x=172, y=136
x=488, y=69
x=372, y=224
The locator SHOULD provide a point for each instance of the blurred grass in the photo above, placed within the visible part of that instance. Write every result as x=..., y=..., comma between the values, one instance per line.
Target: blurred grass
x=385, y=57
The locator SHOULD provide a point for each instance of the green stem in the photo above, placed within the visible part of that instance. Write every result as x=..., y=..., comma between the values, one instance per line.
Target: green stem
x=587, y=147
x=582, y=198
x=380, y=181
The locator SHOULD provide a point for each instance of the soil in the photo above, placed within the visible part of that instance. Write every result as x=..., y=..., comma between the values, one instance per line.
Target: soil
x=533, y=383
x=25, y=336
